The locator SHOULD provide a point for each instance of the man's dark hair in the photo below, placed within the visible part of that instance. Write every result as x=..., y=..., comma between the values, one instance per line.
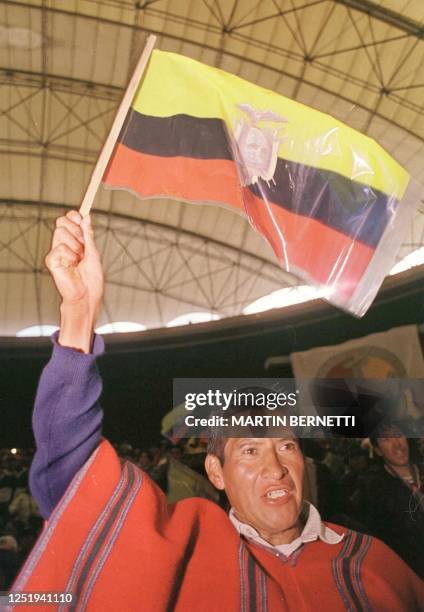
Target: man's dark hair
x=218, y=436
x=386, y=430
x=216, y=445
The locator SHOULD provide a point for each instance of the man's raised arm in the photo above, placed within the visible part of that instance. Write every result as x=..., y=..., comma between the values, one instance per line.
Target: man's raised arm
x=67, y=415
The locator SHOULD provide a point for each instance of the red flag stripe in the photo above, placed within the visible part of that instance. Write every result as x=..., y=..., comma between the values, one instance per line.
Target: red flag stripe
x=315, y=251
x=182, y=178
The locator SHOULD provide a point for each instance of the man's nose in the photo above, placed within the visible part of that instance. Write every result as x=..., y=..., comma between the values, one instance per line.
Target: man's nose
x=274, y=467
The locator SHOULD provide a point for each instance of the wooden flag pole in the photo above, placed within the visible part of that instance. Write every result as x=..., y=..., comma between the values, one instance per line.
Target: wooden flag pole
x=106, y=152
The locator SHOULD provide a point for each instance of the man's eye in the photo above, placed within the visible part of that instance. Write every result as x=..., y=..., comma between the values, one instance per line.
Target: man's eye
x=288, y=446
x=250, y=450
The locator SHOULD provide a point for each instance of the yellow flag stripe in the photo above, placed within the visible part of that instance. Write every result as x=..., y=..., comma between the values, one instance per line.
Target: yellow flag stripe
x=175, y=84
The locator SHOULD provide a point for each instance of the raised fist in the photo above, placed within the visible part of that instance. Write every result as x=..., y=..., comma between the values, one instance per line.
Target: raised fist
x=74, y=263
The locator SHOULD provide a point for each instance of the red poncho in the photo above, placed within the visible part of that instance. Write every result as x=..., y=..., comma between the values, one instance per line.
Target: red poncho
x=115, y=544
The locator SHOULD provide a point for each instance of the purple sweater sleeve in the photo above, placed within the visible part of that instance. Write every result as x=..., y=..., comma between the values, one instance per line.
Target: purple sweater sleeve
x=67, y=421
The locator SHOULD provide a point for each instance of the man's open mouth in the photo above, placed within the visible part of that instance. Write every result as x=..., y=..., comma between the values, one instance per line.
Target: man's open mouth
x=276, y=493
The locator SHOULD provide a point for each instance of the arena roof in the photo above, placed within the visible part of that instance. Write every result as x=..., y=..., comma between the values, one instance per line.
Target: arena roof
x=64, y=67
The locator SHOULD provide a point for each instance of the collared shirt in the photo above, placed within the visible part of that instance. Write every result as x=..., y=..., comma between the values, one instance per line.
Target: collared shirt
x=314, y=528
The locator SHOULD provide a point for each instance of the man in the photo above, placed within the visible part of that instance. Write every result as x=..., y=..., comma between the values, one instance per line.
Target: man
x=395, y=499
x=112, y=541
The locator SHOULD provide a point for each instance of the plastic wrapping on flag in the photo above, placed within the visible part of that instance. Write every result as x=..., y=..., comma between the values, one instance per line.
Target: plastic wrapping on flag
x=334, y=233
x=333, y=204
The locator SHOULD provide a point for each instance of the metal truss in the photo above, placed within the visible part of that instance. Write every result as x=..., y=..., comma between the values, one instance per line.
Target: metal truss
x=411, y=27
x=61, y=84
x=48, y=116
x=75, y=114
x=171, y=270
x=307, y=54
x=85, y=108
x=153, y=271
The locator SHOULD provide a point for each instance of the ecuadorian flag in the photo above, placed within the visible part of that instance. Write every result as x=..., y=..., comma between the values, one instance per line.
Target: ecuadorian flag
x=321, y=193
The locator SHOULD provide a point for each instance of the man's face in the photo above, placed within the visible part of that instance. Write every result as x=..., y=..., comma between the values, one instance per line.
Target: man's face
x=263, y=480
x=394, y=450
x=358, y=464
x=144, y=460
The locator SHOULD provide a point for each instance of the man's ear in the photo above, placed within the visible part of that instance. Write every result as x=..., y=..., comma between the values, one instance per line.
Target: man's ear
x=214, y=471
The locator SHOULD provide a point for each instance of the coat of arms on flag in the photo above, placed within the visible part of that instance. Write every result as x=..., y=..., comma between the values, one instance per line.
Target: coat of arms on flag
x=256, y=147
x=325, y=197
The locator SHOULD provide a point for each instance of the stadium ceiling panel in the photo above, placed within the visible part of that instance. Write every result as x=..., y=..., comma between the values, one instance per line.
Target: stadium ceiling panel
x=64, y=66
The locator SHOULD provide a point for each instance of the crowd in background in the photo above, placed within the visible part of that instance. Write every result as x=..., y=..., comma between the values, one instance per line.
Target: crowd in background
x=350, y=481
x=20, y=521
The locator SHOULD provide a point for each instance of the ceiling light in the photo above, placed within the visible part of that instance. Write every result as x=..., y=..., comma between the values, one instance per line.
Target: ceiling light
x=416, y=258
x=285, y=297
x=120, y=327
x=36, y=330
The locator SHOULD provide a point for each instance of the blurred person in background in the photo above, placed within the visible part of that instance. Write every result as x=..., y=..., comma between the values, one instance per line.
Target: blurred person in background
x=395, y=498
x=8, y=561
x=8, y=483
x=322, y=487
x=354, y=485
x=22, y=508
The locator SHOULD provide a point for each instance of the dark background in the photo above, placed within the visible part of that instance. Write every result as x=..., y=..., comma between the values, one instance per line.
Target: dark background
x=138, y=368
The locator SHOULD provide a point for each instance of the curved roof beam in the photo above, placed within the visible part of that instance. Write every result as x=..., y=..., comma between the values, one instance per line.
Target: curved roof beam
x=134, y=219
x=392, y=18
x=60, y=83
x=396, y=20
x=38, y=79
x=365, y=6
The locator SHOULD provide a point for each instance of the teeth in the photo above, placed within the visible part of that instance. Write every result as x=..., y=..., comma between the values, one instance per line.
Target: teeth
x=276, y=494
